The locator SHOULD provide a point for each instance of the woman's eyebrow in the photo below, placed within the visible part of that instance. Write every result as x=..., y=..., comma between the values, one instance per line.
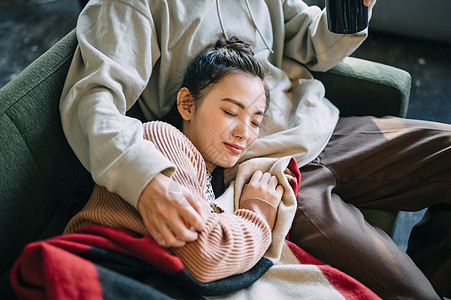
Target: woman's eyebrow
x=241, y=105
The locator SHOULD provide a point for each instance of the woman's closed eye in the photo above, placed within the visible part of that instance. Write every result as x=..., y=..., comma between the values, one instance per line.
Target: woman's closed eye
x=230, y=114
x=256, y=124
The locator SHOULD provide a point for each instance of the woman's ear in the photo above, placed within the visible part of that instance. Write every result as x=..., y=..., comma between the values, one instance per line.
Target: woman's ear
x=185, y=104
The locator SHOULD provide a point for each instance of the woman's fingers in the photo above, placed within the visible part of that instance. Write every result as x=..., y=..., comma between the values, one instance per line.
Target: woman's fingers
x=266, y=177
x=263, y=180
x=273, y=182
x=279, y=190
x=256, y=177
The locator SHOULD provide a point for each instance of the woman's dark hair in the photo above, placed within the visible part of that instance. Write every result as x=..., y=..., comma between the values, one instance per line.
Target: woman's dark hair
x=213, y=64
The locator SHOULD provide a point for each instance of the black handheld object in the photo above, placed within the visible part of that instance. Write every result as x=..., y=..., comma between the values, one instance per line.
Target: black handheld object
x=346, y=16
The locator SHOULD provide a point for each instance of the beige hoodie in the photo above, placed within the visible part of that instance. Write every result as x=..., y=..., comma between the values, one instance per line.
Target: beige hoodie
x=137, y=50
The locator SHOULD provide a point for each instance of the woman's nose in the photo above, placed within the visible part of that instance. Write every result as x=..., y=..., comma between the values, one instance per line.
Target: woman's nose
x=241, y=130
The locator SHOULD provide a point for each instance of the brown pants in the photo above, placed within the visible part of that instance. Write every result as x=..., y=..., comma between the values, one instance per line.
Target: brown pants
x=388, y=163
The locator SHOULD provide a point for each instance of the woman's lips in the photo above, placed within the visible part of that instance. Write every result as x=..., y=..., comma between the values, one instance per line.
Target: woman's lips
x=234, y=148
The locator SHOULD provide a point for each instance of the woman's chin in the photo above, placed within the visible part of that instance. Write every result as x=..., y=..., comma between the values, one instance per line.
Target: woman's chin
x=228, y=163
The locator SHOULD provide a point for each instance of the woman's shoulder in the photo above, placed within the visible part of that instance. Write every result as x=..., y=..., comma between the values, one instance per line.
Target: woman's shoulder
x=164, y=132
x=162, y=128
x=170, y=140
x=172, y=143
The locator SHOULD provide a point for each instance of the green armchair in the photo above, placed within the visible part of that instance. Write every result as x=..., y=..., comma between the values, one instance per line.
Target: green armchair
x=42, y=183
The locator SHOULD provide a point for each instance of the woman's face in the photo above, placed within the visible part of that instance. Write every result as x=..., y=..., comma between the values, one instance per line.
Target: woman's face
x=226, y=123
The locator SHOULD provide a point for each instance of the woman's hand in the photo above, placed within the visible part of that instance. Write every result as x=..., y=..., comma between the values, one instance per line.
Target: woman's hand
x=264, y=187
x=171, y=215
x=367, y=2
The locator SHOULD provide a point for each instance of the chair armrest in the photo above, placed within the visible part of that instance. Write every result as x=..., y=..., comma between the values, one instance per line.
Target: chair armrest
x=384, y=219
x=360, y=87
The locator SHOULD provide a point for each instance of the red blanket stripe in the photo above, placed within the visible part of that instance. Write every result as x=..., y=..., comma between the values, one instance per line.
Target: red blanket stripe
x=46, y=268
x=45, y=271
x=346, y=285
x=295, y=181
x=302, y=256
x=350, y=288
x=129, y=243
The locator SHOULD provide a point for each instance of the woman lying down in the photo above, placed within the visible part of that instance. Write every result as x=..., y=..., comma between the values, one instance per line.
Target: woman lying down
x=220, y=108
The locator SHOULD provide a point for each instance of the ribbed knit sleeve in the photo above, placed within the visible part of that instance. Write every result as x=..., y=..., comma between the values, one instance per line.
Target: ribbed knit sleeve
x=230, y=244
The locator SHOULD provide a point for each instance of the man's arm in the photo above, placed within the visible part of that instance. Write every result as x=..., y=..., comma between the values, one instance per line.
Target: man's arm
x=111, y=67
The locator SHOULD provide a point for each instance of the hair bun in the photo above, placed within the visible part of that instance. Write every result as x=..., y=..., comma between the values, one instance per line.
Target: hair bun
x=234, y=44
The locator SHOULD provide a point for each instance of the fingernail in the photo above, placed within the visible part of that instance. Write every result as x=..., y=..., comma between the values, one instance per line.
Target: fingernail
x=192, y=229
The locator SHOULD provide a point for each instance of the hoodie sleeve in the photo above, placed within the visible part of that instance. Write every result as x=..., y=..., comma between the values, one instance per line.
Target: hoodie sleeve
x=111, y=67
x=308, y=40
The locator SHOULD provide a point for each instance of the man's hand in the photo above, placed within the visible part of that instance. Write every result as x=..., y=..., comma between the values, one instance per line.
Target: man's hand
x=170, y=214
x=367, y=2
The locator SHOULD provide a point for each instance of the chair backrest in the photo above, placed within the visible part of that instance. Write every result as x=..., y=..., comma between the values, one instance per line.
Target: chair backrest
x=42, y=183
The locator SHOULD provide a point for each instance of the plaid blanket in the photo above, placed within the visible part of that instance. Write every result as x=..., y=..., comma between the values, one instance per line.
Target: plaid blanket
x=100, y=262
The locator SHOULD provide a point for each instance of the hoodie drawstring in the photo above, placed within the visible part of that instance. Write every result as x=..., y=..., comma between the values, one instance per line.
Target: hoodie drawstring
x=218, y=10
x=256, y=27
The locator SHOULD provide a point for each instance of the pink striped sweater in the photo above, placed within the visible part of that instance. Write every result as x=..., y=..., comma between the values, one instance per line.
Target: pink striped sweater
x=231, y=243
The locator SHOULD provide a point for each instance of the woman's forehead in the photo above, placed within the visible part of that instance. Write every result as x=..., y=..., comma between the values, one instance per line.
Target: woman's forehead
x=240, y=89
